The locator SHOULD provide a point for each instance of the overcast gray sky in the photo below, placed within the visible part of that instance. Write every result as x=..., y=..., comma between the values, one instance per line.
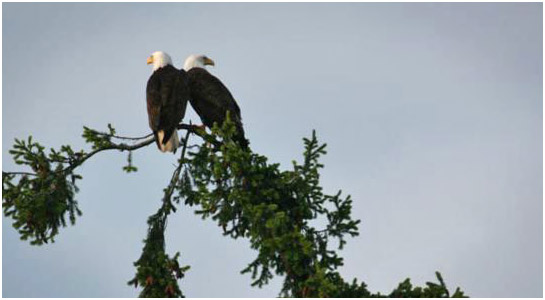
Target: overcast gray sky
x=432, y=114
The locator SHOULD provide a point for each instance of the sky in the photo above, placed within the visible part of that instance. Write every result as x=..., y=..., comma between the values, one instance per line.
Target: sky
x=432, y=114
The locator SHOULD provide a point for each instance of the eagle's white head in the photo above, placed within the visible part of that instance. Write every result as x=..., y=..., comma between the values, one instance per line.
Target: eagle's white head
x=197, y=61
x=159, y=59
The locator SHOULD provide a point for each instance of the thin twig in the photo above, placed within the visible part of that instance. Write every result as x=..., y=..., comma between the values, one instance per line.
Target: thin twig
x=131, y=138
x=20, y=173
x=120, y=137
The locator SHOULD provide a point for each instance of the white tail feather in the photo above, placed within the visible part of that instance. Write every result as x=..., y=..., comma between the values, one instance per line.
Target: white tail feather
x=172, y=144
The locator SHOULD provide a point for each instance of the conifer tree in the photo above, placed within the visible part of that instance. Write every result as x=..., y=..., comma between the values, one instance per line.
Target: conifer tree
x=246, y=195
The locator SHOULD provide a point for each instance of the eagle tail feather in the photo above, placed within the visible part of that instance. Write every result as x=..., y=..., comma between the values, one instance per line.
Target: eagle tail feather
x=169, y=146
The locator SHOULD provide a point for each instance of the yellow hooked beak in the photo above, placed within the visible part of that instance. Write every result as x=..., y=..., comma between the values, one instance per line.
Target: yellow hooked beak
x=208, y=61
x=149, y=61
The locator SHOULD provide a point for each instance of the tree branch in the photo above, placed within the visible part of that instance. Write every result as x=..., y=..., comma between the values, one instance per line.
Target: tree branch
x=120, y=147
x=120, y=137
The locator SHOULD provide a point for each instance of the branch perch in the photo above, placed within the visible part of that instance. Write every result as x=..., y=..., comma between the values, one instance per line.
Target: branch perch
x=149, y=139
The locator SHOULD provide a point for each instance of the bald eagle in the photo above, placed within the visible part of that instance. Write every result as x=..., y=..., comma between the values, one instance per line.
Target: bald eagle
x=210, y=98
x=167, y=94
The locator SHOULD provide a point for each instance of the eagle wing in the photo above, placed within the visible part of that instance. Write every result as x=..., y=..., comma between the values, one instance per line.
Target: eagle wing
x=153, y=97
x=210, y=98
x=167, y=95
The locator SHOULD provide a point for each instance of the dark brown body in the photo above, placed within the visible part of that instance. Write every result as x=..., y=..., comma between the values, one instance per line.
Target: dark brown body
x=167, y=95
x=211, y=100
